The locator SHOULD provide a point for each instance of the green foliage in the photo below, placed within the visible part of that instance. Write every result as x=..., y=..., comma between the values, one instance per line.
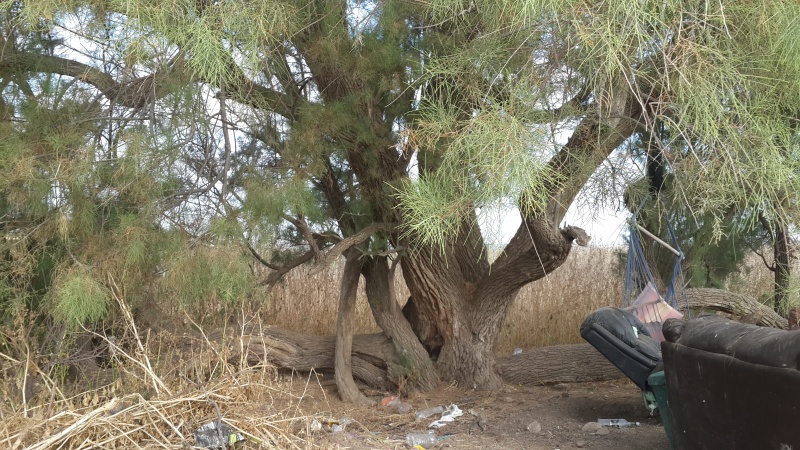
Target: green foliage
x=491, y=159
x=341, y=112
x=79, y=299
x=206, y=276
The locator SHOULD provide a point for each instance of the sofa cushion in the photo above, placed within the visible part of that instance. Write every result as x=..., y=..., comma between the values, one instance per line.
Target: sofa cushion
x=750, y=343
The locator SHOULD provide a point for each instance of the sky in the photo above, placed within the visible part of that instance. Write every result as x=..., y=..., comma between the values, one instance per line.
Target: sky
x=606, y=226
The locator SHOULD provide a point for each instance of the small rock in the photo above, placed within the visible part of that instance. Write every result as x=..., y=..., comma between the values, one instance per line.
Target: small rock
x=508, y=399
x=580, y=443
x=564, y=394
x=591, y=427
x=560, y=387
x=534, y=427
x=602, y=431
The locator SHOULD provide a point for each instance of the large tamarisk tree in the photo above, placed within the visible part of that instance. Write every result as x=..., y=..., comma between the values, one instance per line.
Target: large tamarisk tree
x=379, y=129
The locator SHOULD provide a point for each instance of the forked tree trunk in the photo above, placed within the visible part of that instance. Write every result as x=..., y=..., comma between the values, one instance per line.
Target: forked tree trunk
x=461, y=303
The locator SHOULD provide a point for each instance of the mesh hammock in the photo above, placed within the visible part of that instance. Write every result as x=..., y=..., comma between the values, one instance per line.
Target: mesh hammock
x=640, y=295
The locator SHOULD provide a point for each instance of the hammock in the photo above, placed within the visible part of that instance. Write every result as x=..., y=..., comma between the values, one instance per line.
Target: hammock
x=640, y=295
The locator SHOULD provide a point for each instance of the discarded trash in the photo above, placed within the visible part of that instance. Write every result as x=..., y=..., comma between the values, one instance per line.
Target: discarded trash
x=421, y=440
x=450, y=414
x=332, y=421
x=329, y=423
x=534, y=427
x=425, y=413
x=215, y=435
x=617, y=423
x=591, y=427
x=393, y=402
x=517, y=351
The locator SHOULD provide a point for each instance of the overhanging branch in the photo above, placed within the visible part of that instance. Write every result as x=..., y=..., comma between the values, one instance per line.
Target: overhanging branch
x=138, y=92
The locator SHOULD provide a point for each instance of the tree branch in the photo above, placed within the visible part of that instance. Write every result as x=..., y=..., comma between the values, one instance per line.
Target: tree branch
x=350, y=241
x=280, y=271
x=138, y=92
x=538, y=246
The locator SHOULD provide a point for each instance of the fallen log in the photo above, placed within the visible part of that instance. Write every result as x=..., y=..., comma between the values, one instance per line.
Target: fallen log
x=305, y=352
x=740, y=307
x=557, y=364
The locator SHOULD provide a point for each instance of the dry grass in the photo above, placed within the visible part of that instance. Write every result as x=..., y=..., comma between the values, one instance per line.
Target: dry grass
x=550, y=311
x=159, y=391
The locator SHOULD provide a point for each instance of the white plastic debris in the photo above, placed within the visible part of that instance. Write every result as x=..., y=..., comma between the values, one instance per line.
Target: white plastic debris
x=216, y=434
x=450, y=414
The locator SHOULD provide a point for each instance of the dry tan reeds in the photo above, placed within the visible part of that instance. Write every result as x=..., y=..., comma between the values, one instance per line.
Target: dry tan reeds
x=158, y=399
x=133, y=422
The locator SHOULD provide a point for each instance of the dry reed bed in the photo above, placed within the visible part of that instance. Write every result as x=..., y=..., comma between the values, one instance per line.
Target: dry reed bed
x=133, y=422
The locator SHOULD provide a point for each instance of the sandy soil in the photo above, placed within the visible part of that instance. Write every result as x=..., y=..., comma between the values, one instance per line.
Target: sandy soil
x=506, y=419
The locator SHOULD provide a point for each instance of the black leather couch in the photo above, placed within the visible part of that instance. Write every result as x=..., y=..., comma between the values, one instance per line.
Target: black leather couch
x=732, y=386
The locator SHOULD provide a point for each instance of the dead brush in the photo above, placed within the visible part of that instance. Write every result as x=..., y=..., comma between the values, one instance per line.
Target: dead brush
x=164, y=388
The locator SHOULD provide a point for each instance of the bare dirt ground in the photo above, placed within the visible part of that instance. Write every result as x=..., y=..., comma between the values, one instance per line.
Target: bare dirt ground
x=506, y=419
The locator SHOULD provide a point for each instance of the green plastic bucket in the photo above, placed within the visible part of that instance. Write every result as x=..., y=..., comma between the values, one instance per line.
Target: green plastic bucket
x=658, y=384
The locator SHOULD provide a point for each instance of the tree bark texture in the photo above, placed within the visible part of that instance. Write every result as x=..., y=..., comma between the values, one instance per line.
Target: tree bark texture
x=305, y=352
x=738, y=306
x=343, y=374
x=412, y=363
x=557, y=364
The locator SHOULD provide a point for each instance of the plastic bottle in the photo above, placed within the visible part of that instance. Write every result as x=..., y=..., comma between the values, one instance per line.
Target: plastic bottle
x=425, y=413
x=617, y=423
x=394, y=403
x=424, y=440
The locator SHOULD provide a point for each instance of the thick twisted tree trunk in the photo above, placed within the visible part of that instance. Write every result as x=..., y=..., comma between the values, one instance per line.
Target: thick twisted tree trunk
x=412, y=362
x=460, y=306
x=460, y=301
